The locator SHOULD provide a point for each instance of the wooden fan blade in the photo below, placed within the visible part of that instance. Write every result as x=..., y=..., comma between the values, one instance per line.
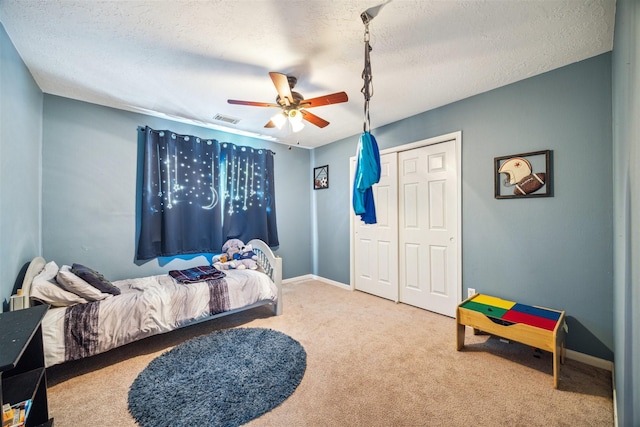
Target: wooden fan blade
x=334, y=98
x=253, y=104
x=270, y=124
x=312, y=118
x=281, y=82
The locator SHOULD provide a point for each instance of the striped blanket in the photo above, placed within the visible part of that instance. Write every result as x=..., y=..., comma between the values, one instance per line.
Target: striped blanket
x=94, y=327
x=147, y=306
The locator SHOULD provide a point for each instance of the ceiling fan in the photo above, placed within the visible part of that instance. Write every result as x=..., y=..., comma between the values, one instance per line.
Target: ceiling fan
x=294, y=106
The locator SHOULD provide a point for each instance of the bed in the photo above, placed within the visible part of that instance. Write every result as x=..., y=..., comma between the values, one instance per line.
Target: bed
x=75, y=327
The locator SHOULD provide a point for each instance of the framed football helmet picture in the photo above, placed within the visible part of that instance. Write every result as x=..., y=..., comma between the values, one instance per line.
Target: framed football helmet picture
x=521, y=176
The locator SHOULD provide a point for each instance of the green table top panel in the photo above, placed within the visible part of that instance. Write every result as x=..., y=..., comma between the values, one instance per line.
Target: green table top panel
x=487, y=310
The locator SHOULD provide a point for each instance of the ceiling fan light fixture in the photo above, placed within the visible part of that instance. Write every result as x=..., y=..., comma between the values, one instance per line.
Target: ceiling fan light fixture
x=279, y=120
x=293, y=106
x=295, y=116
x=296, y=125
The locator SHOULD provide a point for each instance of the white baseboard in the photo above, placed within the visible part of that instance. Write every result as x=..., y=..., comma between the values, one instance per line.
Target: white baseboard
x=307, y=277
x=590, y=360
x=615, y=400
x=332, y=282
x=298, y=279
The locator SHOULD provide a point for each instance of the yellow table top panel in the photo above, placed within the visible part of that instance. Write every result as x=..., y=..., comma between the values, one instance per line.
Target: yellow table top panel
x=496, y=302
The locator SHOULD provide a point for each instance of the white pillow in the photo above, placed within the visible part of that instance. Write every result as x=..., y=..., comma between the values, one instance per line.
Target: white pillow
x=45, y=289
x=72, y=283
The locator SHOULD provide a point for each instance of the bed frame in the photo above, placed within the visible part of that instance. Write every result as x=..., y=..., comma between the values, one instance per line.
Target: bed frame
x=268, y=262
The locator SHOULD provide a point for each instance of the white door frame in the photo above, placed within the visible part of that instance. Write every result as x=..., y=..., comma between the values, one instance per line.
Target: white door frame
x=457, y=137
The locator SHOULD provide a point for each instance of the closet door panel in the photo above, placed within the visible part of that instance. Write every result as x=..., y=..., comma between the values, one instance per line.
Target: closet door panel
x=438, y=269
x=412, y=266
x=437, y=206
x=376, y=245
x=427, y=228
x=411, y=254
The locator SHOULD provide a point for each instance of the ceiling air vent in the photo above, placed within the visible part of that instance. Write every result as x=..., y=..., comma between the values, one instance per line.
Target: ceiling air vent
x=226, y=119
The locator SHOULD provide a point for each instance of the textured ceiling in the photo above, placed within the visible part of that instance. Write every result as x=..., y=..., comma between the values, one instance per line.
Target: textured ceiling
x=183, y=59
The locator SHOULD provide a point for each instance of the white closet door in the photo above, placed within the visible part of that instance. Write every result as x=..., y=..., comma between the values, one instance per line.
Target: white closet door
x=376, y=245
x=428, y=228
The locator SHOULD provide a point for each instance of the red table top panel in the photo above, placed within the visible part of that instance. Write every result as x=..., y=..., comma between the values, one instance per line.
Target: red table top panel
x=528, y=319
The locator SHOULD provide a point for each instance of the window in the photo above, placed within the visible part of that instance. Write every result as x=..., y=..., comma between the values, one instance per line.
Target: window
x=198, y=193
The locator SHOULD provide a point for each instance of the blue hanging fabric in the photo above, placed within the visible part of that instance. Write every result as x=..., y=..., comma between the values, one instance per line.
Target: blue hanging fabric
x=367, y=174
x=368, y=163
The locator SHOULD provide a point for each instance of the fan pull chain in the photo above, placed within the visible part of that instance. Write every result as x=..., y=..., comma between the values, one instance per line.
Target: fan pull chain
x=367, y=89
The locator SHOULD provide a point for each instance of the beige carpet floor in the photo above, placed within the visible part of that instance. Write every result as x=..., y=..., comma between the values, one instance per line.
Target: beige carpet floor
x=370, y=362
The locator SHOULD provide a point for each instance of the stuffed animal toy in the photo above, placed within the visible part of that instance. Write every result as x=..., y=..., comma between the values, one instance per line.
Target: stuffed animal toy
x=232, y=246
x=236, y=256
x=246, y=258
x=229, y=249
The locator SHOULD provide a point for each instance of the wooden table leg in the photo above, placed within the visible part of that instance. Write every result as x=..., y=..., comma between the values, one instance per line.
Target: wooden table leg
x=460, y=336
x=556, y=365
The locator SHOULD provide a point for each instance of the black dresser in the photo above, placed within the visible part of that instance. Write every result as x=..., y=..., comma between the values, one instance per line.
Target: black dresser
x=22, y=371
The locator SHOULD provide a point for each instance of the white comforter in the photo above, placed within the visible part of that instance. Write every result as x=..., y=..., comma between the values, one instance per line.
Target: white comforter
x=147, y=306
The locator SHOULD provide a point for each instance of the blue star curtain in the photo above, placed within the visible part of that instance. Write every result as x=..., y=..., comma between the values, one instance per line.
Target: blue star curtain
x=198, y=193
x=366, y=175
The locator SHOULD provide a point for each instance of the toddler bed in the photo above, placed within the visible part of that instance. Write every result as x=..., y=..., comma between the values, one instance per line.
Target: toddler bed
x=85, y=319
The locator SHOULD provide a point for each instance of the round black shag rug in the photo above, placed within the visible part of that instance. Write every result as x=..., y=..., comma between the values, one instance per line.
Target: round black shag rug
x=226, y=378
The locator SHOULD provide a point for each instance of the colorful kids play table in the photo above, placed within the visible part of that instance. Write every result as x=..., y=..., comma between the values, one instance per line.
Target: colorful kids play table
x=538, y=327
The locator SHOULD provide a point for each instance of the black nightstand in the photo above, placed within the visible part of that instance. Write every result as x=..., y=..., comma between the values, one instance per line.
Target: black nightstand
x=22, y=371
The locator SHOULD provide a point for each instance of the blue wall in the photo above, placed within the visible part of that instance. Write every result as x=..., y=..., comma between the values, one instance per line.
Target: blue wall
x=89, y=173
x=626, y=139
x=20, y=161
x=554, y=252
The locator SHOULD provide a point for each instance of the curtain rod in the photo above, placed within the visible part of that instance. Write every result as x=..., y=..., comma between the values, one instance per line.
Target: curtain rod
x=141, y=128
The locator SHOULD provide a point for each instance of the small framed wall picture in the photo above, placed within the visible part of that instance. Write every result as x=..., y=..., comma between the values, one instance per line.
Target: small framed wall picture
x=523, y=176
x=321, y=177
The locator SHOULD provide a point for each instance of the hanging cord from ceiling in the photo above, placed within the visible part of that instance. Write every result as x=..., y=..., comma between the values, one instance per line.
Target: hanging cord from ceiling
x=367, y=76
